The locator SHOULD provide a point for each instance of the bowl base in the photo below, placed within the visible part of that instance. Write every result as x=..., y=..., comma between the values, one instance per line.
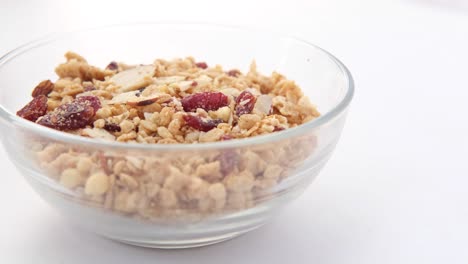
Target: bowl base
x=181, y=244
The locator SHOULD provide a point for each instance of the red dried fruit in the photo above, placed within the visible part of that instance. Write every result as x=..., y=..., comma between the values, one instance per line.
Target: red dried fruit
x=112, y=127
x=112, y=66
x=233, y=73
x=277, y=128
x=68, y=117
x=77, y=114
x=89, y=87
x=228, y=160
x=201, y=124
x=194, y=84
x=206, y=100
x=201, y=65
x=34, y=109
x=245, y=103
x=43, y=88
x=90, y=100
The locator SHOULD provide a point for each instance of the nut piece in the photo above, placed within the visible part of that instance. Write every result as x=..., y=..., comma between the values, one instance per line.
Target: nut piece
x=134, y=78
x=97, y=133
x=212, y=135
x=217, y=191
x=70, y=178
x=167, y=198
x=247, y=121
x=164, y=132
x=272, y=172
x=97, y=184
x=84, y=165
x=129, y=181
x=77, y=67
x=240, y=183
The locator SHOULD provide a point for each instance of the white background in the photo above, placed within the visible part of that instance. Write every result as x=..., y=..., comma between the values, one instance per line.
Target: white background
x=395, y=190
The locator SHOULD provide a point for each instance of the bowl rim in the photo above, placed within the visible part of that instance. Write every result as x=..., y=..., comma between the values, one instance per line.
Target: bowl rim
x=11, y=118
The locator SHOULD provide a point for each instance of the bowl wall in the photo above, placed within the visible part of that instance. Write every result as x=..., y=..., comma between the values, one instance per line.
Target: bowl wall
x=42, y=155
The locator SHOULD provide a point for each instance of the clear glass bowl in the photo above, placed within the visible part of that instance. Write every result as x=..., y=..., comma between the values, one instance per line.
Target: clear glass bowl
x=283, y=164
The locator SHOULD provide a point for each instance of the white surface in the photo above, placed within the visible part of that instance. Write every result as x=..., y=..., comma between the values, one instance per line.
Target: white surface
x=395, y=189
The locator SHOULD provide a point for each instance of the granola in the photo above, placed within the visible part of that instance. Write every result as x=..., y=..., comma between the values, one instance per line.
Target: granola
x=169, y=102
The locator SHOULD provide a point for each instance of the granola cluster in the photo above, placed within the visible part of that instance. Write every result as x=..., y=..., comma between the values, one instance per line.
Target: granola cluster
x=169, y=102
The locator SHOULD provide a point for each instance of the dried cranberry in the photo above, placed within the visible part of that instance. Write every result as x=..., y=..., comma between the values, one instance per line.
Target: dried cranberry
x=233, y=73
x=89, y=87
x=194, y=84
x=245, y=103
x=201, y=65
x=201, y=124
x=43, y=88
x=228, y=160
x=277, y=128
x=77, y=114
x=89, y=100
x=34, y=109
x=206, y=100
x=112, y=66
x=112, y=127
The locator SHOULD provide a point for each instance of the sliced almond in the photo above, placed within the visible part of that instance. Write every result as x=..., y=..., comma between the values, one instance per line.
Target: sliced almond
x=230, y=91
x=203, y=80
x=98, y=133
x=134, y=99
x=144, y=101
x=134, y=78
x=168, y=80
x=263, y=104
x=184, y=85
x=253, y=91
x=123, y=98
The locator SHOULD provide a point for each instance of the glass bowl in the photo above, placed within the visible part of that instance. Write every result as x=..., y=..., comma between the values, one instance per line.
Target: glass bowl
x=165, y=203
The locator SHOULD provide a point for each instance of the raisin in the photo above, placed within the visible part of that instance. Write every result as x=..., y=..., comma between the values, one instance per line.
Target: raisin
x=201, y=124
x=233, y=73
x=245, y=103
x=77, y=114
x=112, y=66
x=201, y=65
x=206, y=100
x=34, y=109
x=112, y=127
x=228, y=160
x=43, y=88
